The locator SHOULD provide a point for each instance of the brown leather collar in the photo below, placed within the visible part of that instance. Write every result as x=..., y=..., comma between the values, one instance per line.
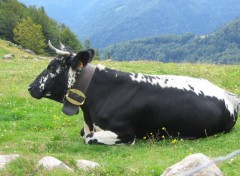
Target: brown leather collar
x=77, y=95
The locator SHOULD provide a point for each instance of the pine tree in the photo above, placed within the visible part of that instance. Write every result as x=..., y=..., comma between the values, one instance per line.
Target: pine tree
x=29, y=35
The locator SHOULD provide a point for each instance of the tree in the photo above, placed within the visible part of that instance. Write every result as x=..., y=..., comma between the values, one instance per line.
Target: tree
x=108, y=55
x=7, y=21
x=49, y=26
x=29, y=35
x=87, y=44
x=10, y=12
x=68, y=38
x=96, y=57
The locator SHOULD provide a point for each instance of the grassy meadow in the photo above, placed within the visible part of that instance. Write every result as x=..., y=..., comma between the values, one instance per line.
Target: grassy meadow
x=37, y=128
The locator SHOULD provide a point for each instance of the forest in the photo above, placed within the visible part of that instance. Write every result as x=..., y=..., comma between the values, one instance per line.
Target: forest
x=31, y=27
x=220, y=47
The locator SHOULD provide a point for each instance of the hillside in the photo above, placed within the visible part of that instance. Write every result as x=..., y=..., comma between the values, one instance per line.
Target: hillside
x=9, y=48
x=31, y=27
x=221, y=46
x=113, y=21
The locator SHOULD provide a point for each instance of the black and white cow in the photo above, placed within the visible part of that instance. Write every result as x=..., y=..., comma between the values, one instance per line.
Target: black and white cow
x=120, y=106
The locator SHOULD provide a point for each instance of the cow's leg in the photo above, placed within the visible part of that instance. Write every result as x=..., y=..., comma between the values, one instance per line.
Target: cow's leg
x=85, y=130
x=107, y=138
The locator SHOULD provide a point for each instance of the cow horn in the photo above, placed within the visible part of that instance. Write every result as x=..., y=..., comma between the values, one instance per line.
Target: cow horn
x=61, y=45
x=57, y=51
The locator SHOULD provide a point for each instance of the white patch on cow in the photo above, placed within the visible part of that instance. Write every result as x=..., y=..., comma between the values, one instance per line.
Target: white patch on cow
x=71, y=77
x=52, y=75
x=97, y=128
x=104, y=137
x=43, y=82
x=58, y=70
x=49, y=75
x=101, y=67
x=141, y=78
x=199, y=86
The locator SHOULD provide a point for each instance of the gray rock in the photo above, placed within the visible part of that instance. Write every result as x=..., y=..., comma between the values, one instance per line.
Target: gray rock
x=8, y=56
x=50, y=163
x=5, y=159
x=190, y=162
x=29, y=51
x=10, y=43
x=86, y=165
x=20, y=47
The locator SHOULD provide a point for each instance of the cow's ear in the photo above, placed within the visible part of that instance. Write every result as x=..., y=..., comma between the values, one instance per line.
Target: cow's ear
x=81, y=59
x=92, y=53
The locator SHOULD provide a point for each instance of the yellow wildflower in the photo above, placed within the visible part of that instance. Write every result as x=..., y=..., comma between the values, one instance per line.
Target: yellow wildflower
x=174, y=141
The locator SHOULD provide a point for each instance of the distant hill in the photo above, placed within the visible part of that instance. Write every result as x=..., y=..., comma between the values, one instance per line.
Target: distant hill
x=221, y=46
x=112, y=21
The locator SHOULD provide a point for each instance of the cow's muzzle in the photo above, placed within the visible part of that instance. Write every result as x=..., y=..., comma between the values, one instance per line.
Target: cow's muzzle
x=34, y=93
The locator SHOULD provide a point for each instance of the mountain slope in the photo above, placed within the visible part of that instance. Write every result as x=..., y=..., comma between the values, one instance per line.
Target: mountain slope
x=221, y=46
x=112, y=21
x=30, y=27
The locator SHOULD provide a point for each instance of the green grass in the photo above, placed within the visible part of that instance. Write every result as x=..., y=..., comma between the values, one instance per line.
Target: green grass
x=2, y=52
x=37, y=128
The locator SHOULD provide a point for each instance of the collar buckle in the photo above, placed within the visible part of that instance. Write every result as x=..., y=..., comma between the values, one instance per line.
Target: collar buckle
x=75, y=97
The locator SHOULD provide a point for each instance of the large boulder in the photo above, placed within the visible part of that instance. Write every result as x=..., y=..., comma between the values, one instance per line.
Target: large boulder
x=191, y=162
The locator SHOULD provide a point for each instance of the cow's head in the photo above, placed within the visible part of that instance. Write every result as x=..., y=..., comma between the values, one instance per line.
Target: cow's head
x=60, y=74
